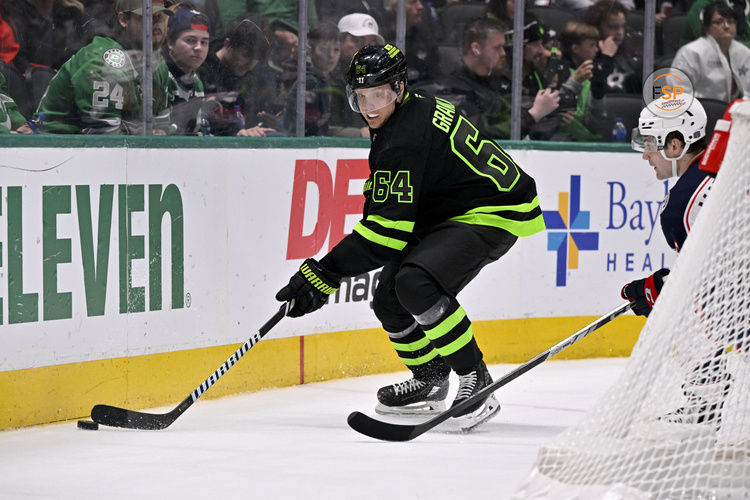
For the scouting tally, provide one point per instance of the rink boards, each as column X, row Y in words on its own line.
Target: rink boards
column 129, row 271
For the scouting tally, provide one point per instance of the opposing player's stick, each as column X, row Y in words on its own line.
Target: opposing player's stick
column 129, row 419
column 401, row 432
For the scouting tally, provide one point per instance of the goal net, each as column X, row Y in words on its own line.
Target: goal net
column 676, row 425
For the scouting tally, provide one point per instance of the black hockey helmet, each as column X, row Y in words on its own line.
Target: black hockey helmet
column 375, row 65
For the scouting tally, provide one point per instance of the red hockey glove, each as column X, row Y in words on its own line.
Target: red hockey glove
column 309, row 287
column 644, row 292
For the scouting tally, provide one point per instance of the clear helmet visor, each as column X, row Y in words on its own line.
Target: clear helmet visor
column 367, row 100
column 644, row 143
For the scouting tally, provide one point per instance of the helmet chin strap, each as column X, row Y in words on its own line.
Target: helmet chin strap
column 674, row 161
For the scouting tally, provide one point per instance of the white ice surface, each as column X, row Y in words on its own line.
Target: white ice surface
column 295, row 443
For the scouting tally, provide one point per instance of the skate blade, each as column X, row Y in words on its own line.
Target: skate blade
column 670, row 431
column 489, row 409
column 424, row 408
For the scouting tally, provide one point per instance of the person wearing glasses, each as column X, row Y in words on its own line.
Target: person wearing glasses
column 718, row 65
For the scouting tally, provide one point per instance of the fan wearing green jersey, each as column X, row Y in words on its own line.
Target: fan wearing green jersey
column 441, row 202
column 11, row 120
column 184, row 52
column 99, row 89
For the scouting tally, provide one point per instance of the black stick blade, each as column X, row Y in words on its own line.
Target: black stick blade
column 384, row 431
column 129, row 419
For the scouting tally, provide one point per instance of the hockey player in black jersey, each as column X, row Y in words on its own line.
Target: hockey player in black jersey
column 441, row 202
column 674, row 148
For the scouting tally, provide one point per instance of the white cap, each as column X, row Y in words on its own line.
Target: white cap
column 360, row 25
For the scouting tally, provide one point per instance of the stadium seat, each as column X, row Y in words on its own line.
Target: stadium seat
column 634, row 22
column 454, row 17
column 18, row 89
column 714, row 110
column 625, row 106
column 553, row 18
column 671, row 32
column 450, row 59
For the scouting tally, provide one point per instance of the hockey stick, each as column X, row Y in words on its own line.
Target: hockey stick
column 129, row 419
column 401, row 432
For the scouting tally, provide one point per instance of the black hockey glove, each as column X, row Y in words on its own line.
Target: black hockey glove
column 644, row 292
column 309, row 287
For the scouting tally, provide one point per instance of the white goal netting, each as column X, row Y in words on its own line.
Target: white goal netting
column 676, row 425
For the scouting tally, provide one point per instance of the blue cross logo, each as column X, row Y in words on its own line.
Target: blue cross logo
column 566, row 230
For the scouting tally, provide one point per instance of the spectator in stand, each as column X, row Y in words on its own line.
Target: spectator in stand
column 98, row 90
column 239, row 93
column 333, row 10
column 48, row 32
column 479, row 90
column 11, row 120
column 551, row 67
column 535, row 61
column 580, row 6
column 422, row 57
column 186, row 49
column 324, row 48
column 694, row 26
column 283, row 10
column 43, row 34
column 8, row 44
column 718, row 66
column 501, row 11
column 615, row 71
column 357, row 30
column 578, row 44
column 280, row 68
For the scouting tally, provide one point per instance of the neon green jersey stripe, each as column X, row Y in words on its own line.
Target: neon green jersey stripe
column 414, row 346
column 371, row 235
column 521, row 207
column 446, row 325
column 400, row 225
column 420, row 360
column 518, row 228
column 457, row 344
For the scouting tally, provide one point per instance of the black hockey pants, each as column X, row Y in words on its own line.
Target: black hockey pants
column 415, row 299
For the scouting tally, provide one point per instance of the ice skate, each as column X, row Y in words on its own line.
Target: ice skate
column 705, row 402
column 696, row 413
column 478, row 413
column 413, row 397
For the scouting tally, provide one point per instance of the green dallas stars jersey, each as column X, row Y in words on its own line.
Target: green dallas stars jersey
column 10, row 117
column 98, row 91
column 428, row 165
column 185, row 95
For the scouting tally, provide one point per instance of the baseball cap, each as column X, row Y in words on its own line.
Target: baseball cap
column 188, row 19
column 532, row 32
column 360, row 25
column 136, row 7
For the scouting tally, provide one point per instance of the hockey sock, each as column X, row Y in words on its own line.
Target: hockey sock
column 416, row 352
column 451, row 333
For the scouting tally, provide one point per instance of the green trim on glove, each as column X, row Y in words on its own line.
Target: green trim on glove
column 311, row 271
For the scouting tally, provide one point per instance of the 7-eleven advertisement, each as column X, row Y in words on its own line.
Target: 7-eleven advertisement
column 116, row 252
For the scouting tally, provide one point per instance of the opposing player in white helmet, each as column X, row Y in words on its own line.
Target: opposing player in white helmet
column 674, row 146
column 678, row 140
